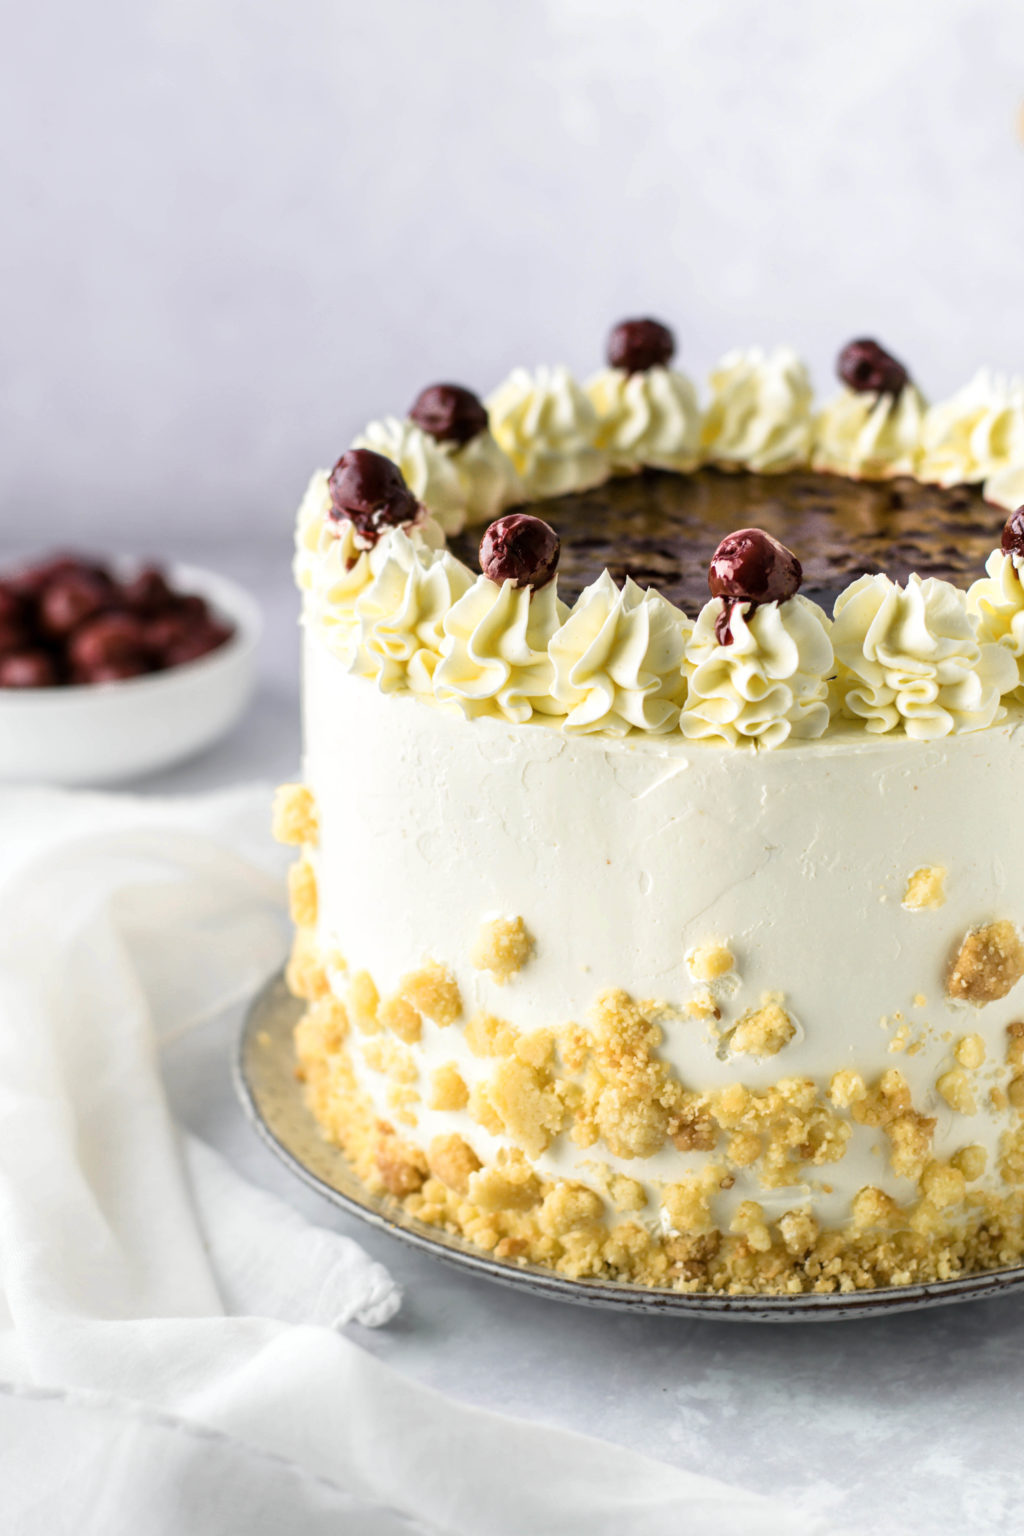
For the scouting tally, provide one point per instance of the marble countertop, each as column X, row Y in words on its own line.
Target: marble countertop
column 909, row 1423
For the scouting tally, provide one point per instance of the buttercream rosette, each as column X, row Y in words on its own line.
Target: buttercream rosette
column 394, row 630
column 978, row 435
column 996, row 602
column 618, row 661
column 770, row 683
column 650, row 419
column 495, row 651
column 760, row 417
column 910, row 658
column 870, row 436
column 546, row 425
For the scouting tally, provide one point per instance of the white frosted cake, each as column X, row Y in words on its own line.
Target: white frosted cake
column 659, row 940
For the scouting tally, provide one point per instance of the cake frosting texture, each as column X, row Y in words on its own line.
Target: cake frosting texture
column 673, row 942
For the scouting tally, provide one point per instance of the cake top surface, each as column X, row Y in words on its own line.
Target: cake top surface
column 750, row 571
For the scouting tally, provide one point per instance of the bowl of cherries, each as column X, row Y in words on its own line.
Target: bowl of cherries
column 111, row 669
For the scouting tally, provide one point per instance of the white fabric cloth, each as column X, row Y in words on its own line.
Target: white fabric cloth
column 170, row 1354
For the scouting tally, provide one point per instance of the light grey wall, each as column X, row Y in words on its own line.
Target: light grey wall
column 235, row 229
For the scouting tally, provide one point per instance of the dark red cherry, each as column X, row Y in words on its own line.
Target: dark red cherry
column 449, row 413
column 14, row 636
column 637, row 345
column 110, row 637
column 32, row 579
column 13, row 607
column 114, row 671
column 368, row 490
column 70, row 598
column 203, row 639
column 867, row 368
column 27, row 669
column 147, row 591
column 520, row 549
column 1013, row 534
column 750, row 566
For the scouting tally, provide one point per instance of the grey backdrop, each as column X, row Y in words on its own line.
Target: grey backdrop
column 234, row 229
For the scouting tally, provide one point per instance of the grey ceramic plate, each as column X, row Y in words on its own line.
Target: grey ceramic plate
column 273, row 1100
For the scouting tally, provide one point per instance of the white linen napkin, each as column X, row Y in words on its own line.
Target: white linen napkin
column 170, row 1360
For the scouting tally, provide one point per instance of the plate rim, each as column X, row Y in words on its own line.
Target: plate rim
column 610, row 1294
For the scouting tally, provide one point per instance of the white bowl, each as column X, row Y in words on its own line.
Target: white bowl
column 100, row 733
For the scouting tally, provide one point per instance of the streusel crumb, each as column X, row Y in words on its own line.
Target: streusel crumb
column 433, row 991
column 510, row 1184
column 528, row 1105
column 971, row 1161
column 1015, row 1045
column 302, row 902
column 294, row 818
column 392, row 1059
column 401, row 1018
column 970, row 1052
column 568, row 1207
column 955, row 1087
column 402, row 1167
column 453, row 1161
column 487, row 1035
column 363, row 1002
column 926, row 888
column 448, row 1090
column 989, row 963
column 502, row 947
column 305, row 973
column 709, row 962
column 763, row 1031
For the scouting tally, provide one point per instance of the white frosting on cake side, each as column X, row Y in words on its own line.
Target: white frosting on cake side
column 626, row 857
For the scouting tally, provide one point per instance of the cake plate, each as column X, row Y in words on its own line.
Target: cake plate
column 273, row 1100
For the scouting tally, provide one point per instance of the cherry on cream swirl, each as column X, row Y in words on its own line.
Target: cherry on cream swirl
column 495, row 651
column 870, row 436
column 648, row 419
column 427, row 467
column 769, row 683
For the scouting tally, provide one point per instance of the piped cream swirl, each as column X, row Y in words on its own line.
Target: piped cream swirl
column 648, row 418
column 495, row 651
column 426, row 466
column 909, row 656
column 996, row 601
column 978, row 434
column 769, row 684
column 870, row 436
column 618, row 661
column 490, row 483
column 397, row 625
column 548, row 428
column 761, row 413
